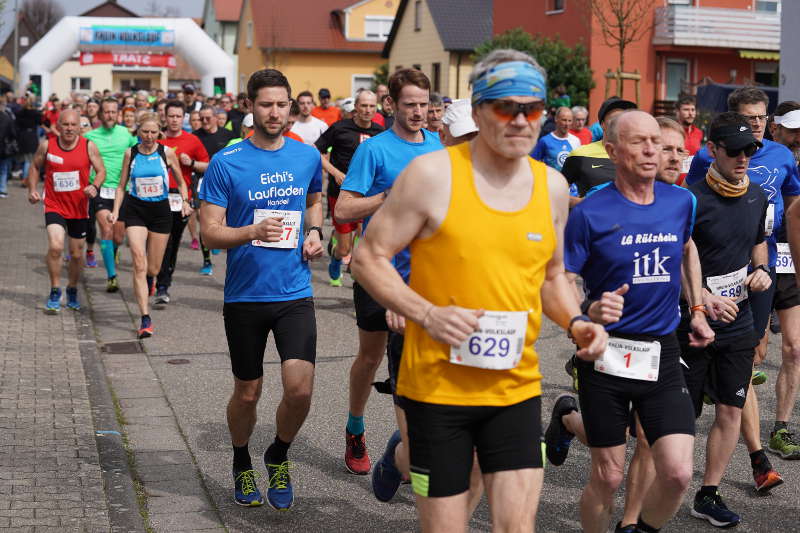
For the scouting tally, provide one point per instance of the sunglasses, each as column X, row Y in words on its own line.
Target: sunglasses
column 748, row 150
column 508, row 109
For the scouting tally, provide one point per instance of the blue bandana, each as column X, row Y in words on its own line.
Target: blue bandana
column 515, row 78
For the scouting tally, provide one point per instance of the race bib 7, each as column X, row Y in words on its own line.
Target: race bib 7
column 291, row 227
column 497, row 344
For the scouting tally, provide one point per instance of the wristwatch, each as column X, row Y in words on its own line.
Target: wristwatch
column 319, row 230
column 765, row 268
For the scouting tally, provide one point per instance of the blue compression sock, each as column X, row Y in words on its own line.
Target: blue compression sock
column 355, row 424
column 335, row 268
column 107, row 250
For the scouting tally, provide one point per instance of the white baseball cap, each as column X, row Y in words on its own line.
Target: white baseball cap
column 247, row 121
column 348, row 105
column 458, row 117
column 790, row 120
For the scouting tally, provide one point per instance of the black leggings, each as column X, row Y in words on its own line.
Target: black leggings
column 171, row 252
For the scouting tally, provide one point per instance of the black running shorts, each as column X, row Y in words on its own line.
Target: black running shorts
column 76, row 228
column 102, row 203
column 247, row 327
column 155, row 216
column 664, row 406
column 394, row 353
column 370, row 315
column 722, row 370
column 761, row 305
column 787, row 294
column 442, row 439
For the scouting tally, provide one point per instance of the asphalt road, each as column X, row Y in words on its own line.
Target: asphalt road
column 327, row 497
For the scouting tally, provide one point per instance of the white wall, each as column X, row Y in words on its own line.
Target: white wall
column 789, row 87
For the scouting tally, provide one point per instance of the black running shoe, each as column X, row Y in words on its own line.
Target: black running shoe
column 557, row 439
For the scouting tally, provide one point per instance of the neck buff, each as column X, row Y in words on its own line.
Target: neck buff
column 724, row 187
column 514, row 78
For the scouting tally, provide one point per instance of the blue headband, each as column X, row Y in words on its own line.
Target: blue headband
column 515, row 78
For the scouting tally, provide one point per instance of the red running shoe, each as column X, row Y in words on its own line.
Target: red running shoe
column 767, row 480
column 356, row 458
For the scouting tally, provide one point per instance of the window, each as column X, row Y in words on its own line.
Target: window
column 766, row 73
column 677, row 77
column 418, row 15
column 249, row 34
column 555, row 5
column 436, row 74
column 768, row 6
column 81, row 84
column 135, row 84
column 680, row 2
column 377, row 28
column 362, row 81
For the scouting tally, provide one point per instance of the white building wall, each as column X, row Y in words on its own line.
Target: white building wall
column 789, row 86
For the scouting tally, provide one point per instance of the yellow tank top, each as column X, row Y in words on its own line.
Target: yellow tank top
column 480, row 258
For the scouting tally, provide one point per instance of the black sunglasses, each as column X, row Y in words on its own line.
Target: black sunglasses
column 748, row 150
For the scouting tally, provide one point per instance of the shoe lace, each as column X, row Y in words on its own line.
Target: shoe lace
column 357, row 446
column 280, row 475
column 248, row 481
column 788, row 438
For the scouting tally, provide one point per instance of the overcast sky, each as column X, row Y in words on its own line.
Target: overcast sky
column 186, row 8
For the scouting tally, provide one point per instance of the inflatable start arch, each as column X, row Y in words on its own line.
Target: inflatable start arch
column 128, row 35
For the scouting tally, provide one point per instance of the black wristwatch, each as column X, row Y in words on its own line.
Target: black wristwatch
column 765, row 268
column 576, row 318
column 319, row 230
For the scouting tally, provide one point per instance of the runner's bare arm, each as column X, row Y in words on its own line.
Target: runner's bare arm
column 33, row 172
column 312, row 245
column 174, row 164
column 352, row 206
column 337, row 174
column 758, row 280
column 217, row 233
column 119, row 195
column 97, row 164
column 558, row 294
column 200, row 166
column 692, row 284
column 405, row 216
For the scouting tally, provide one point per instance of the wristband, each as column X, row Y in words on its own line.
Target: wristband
column 701, row 307
column 765, row 268
column 576, row 318
column 319, row 230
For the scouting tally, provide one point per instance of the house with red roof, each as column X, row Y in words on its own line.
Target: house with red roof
column 221, row 23
column 334, row 44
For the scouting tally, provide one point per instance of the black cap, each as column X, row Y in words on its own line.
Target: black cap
column 324, row 93
column 188, row 88
column 733, row 136
column 615, row 102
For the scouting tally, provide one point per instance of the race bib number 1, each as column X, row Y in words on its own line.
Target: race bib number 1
column 66, row 181
column 730, row 285
column 175, row 202
column 630, row 359
column 784, row 263
column 497, row 344
column 291, row 227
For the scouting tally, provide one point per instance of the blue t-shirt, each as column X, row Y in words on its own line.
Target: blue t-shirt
column 773, row 168
column 553, row 151
column 147, row 171
column 610, row 240
column 376, row 164
column 244, row 178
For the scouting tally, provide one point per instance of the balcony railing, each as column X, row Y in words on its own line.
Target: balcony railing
column 717, row 27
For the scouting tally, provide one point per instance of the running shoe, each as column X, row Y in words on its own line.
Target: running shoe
column 759, row 377
column 245, row 492
column 215, row 251
column 162, row 296
column 766, row 480
column 782, row 443
column 3, row 195
column 146, row 328
column 91, row 260
column 572, row 371
column 356, row 458
column 335, row 282
column 195, row 244
column 280, row 494
column 385, row 476
column 630, row 528
column 713, row 509
column 206, row 270
column 556, row 437
column 72, row 299
column 774, row 322
column 112, row 285
column 331, row 245
column 53, row 304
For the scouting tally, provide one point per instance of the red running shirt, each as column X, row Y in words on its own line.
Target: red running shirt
column 66, row 175
column 189, row 144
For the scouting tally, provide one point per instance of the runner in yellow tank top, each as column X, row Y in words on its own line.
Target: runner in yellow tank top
column 485, row 226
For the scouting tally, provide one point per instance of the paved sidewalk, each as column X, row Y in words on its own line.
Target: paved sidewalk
column 50, row 472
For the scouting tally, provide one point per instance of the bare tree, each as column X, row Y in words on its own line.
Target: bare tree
column 622, row 22
column 154, row 9
column 42, row 14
